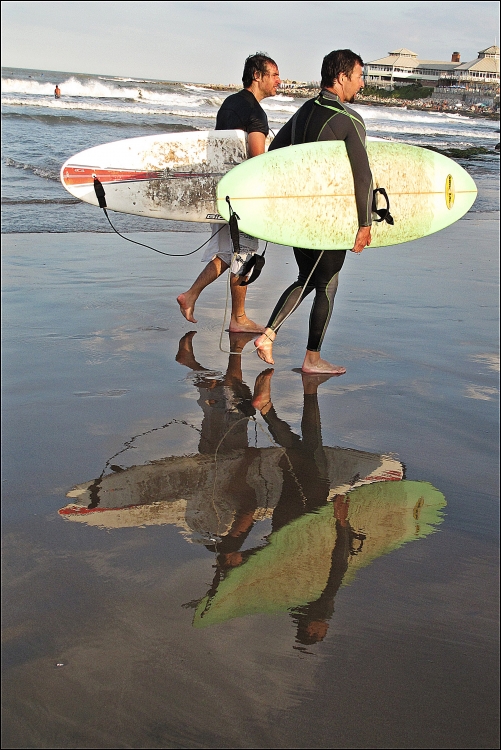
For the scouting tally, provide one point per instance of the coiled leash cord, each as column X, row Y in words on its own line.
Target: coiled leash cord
column 101, row 198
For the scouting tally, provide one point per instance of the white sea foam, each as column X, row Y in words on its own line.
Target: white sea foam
column 71, row 87
column 127, row 80
column 433, row 119
column 58, row 104
column 193, row 87
column 272, row 107
column 408, row 128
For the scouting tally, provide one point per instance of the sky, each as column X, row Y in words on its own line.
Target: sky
column 207, row 42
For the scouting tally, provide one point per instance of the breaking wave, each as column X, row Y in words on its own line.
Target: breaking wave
column 136, row 109
column 46, row 172
column 58, row 119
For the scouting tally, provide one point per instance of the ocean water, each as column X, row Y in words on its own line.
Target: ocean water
column 40, row 132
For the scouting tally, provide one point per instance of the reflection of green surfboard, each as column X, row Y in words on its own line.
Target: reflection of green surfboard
column 293, row 568
column 304, row 196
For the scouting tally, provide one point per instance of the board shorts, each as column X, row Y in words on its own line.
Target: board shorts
column 220, row 244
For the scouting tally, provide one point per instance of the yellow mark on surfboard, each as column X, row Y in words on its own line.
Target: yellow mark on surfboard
column 449, row 191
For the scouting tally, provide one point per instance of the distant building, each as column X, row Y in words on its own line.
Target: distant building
column 472, row 83
column 288, row 84
column 402, row 67
column 485, row 69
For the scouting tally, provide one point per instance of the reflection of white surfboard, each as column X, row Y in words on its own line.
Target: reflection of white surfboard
column 170, row 176
column 180, row 490
column 304, row 195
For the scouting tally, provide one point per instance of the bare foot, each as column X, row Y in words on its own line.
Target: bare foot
column 243, row 324
column 321, row 367
column 187, row 306
column 185, row 354
column 264, row 348
column 262, row 390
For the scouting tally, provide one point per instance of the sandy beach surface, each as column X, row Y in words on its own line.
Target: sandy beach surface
column 104, row 638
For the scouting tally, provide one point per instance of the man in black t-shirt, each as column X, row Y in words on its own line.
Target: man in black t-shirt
column 240, row 111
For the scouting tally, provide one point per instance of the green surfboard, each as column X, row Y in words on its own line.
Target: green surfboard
column 304, row 195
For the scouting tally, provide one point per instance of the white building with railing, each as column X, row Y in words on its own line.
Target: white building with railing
column 402, row 67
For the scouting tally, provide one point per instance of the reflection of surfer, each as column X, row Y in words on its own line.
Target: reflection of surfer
column 57, row 92
column 227, row 404
column 305, row 489
column 224, row 399
column 312, row 619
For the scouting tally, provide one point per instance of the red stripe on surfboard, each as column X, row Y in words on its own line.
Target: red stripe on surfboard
column 85, row 175
column 76, row 510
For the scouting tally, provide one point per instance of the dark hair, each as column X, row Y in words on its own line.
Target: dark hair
column 256, row 64
column 337, row 62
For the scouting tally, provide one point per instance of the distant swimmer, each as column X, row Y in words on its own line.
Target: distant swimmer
column 57, row 92
column 139, row 94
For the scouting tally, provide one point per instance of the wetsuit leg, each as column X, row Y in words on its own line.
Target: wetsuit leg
column 324, row 281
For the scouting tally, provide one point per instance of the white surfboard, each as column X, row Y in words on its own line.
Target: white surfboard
column 170, row 176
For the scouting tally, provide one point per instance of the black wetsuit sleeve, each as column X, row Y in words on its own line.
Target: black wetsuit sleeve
column 351, row 129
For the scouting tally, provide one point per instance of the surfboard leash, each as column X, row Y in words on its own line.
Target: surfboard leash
column 101, row 198
column 234, row 233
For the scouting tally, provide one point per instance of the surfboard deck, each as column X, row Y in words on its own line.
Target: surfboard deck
column 168, row 176
column 304, row 195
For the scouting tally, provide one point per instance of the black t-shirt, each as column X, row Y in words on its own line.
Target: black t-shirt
column 242, row 111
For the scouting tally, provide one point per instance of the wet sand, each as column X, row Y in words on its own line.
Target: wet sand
column 102, row 646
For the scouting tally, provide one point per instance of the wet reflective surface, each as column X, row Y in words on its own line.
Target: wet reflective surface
column 315, row 514
column 199, row 552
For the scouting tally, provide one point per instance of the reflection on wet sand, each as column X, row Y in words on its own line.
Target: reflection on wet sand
column 332, row 510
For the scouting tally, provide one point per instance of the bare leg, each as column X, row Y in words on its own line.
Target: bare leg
column 185, row 354
column 262, row 391
column 237, row 344
column 314, row 365
column 211, row 272
column 239, row 322
column 264, row 345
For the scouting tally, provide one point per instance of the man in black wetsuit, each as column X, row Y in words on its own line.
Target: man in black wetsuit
column 321, row 119
column 240, row 111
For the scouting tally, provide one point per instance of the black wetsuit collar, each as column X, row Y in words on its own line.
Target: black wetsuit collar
column 329, row 95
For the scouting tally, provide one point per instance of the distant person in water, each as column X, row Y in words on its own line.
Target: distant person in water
column 240, row 111
column 57, row 92
column 325, row 118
